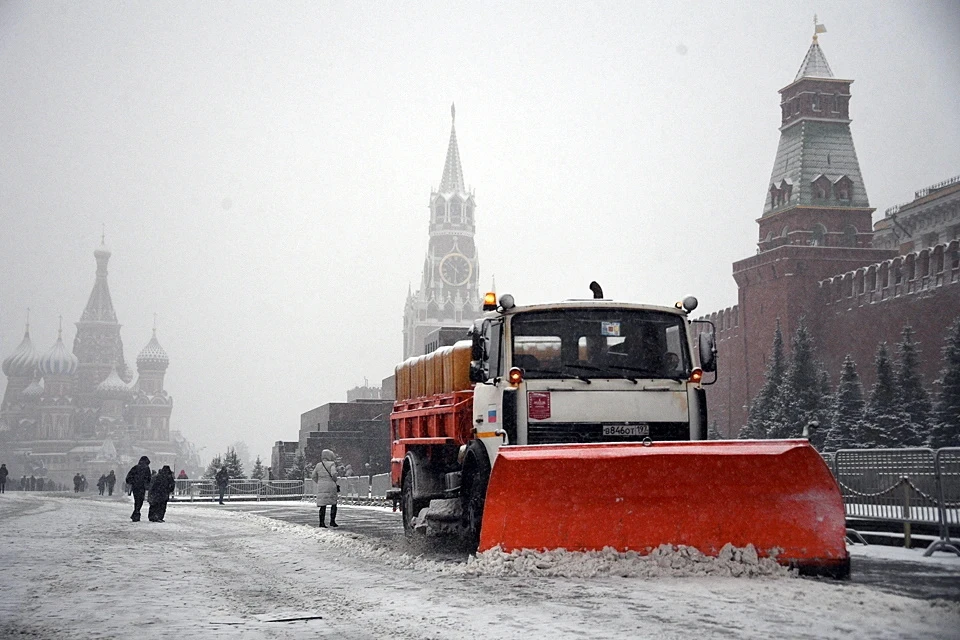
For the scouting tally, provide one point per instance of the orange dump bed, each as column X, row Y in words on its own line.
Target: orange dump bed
column 777, row 495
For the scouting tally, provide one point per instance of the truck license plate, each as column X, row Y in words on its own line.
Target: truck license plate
column 626, row 430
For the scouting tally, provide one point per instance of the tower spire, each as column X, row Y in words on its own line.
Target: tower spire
column 452, row 180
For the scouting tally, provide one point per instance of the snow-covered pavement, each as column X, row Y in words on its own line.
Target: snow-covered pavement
column 78, row 568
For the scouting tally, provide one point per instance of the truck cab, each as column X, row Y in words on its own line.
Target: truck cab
column 588, row 371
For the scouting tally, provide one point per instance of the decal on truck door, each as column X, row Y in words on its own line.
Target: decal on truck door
column 538, row 405
column 492, row 413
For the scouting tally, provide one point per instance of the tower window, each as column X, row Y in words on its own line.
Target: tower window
column 842, row 189
column 850, row 236
column 818, row 235
column 440, row 209
column 456, row 211
column 815, row 102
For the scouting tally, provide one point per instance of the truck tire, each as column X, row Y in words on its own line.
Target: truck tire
column 475, row 477
column 409, row 507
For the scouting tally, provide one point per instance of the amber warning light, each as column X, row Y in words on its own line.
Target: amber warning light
column 515, row 376
column 696, row 375
column 490, row 301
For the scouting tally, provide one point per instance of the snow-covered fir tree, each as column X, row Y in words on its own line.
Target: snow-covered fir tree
column 213, row 467
column 946, row 431
column 847, row 417
column 911, row 396
column 802, row 391
column 883, row 417
column 298, row 470
column 713, row 433
column 258, row 472
column 766, row 410
column 234, row 464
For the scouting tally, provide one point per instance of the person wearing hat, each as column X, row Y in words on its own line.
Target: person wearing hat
column 160, row 490
column 139, row 479
column 325, row 475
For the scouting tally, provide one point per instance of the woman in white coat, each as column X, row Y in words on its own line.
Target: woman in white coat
column 325, row 475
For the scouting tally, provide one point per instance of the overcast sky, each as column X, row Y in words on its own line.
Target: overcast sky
column 263, row 169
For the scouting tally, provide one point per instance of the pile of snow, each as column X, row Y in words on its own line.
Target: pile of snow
column 664, row 561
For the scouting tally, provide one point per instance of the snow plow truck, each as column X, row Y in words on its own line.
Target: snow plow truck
column 583, row 425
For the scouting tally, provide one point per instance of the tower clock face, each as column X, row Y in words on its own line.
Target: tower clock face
column 455, row 269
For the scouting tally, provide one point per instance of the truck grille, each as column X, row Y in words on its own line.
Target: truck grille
column 570, row 432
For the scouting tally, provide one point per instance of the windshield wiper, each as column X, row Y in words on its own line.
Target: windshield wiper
column 647, row 373
column 558, row 374
column 591, row 367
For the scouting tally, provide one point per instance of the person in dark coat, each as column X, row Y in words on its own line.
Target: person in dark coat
column 83, row 482
column 102, row 484
column 3, row 477
column 76, row 483
column 23, row 482
column 223, row 478
column 160, row 490
column 111, row 481
column 32, row 483
column 138, row 478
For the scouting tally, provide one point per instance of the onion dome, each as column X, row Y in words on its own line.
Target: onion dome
column 153, row 357
column 23, row 361
column 33, row 391
column 58, row 361
column 113, row 386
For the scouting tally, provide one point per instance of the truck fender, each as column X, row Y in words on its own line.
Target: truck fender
column 426, row 484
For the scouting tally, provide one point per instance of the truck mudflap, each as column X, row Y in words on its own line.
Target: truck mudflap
column 777, row 495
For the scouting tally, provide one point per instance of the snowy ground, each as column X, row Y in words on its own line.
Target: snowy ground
column 78, row 568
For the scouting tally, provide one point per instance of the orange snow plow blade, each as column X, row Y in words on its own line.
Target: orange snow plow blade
column 778, row 495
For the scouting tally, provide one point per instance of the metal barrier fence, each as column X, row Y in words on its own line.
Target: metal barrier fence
column 351, row 487
column 902, row 485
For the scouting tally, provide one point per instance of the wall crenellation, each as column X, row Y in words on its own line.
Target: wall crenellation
column 908, row 274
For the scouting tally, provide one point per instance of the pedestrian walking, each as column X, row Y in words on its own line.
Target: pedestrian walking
column 223, row 479
column 138, row 478
column 182, row 486
column 3, row 477
column 160, row 490
column 102, row 483
column 111, row 482
column 76, row 483
column 83, row 482
column 23, row 482
column 32, row 483
column 325, row 475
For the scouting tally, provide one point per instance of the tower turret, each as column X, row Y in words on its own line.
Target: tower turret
column 448, row 294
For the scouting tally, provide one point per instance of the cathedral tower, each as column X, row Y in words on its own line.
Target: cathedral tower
column 448, row 294
column 97, row 345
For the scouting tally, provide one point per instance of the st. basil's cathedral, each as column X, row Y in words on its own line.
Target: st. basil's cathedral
column 67, row 412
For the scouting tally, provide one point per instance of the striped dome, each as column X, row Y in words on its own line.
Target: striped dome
column 113, row 386
column 33, row 391
column 153, row 357
column 58, row 361
column 23, row 361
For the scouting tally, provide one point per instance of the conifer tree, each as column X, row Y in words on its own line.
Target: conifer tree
column 911, row 396
column 766, row 410
column 802, row 389
column 233, row 464
column 213, row 467
column 946, row 432
column 298, row 470
column 883, row 415
column 847, row 420
column 258, row 471
column 713, row 433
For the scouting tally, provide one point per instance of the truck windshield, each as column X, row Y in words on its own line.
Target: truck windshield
column 600, row 343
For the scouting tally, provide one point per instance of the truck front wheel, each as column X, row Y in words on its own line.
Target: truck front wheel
column 476, row 475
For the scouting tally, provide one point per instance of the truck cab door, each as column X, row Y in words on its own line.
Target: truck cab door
column 487, row 373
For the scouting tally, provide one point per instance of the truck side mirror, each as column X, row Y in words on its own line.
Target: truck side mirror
column 708, row 351
column 478, row 372
column 476, row 348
